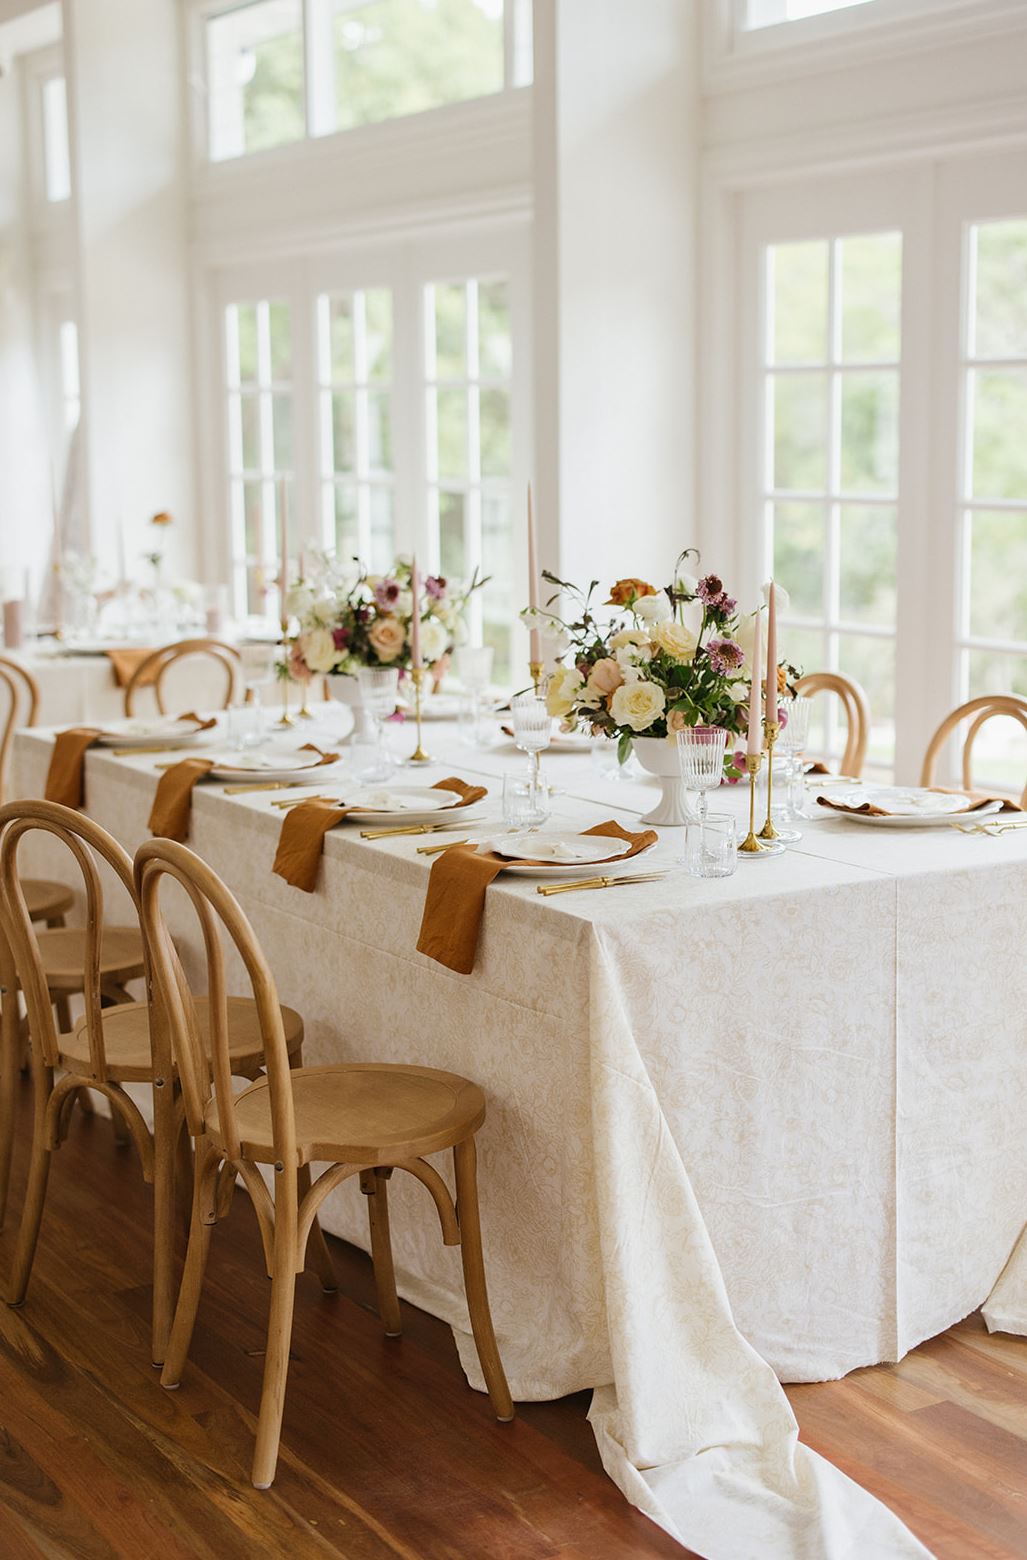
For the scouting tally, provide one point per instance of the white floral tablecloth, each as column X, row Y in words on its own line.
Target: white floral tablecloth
column 767, row 1126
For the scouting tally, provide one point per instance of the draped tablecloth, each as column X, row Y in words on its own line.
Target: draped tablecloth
column 766, row 1124
column 80, row 690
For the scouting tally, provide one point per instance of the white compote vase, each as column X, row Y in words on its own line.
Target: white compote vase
column 676, row 807
column 344, row 688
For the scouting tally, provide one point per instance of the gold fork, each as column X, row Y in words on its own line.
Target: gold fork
column 297, row 801
column 599, row 882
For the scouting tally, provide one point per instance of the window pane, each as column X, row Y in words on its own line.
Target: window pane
column 255, row 68
column 495, row 433
column 281, row 414
column 495, row 349
column 867, row 563
column 800, row 431
column 246, row 324
column 766, row 13
column 1001, row 304
column 382, row 544
column 797, row 285
column 870, row 433
column 378, row 309
column 806, row 648
column 452, row 549
column 347, row 530
column 250, row 413
column 452, row 418
column 450, row 331
column 872, row 663
column 379, row 431
column 252, row 512
column 340, row 325
column 799, row 545
column 281, row 341
column 1000, row 751
column 999, row 433
column 870, row 278
column 998, row 574
column 397, row 57
column 498, row 562
column 56, row 162
column 343, row 430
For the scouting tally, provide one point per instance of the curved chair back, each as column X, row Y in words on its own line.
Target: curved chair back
column 20, row 693
column 857, row 714
column 977, row 711
column 86, row 841
column 216, row 909
column 153, row 669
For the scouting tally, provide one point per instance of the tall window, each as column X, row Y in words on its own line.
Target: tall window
column 71, row 397
column 468, row 368
column 369, row 60
column 831, row 461
column 993, row 501
column 355, row 391
column 258, row 342
column 56, row 156
column 768, row 13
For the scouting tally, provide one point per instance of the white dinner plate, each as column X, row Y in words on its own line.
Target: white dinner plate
column 403, row 804
column 142, row 733
column 265, row 766
column 909, row 807
column 558, row 846
column 608, row 850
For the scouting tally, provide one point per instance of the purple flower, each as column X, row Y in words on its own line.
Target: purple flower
column 386, row 593
column 724, row 655
column 435, row 587
column 340, row 638
column 782, row 716
column 709, row 587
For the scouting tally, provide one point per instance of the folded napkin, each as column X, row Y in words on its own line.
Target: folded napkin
column 455, row 902
column 124, row 664
column 169, row 815
column 978, row 799
column 301, row 840
column 65, row 778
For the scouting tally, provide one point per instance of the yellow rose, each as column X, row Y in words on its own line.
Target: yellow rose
column 638, row 705
column 628, row 636
column 675, row 639
column 562, row 693
column 387, row 638
column 317, row 648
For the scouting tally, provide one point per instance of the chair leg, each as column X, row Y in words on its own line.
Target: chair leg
column 54, row 922
column 465, row 1163
column 62, row 1007
column 375, row 1187
column 184, row 1170
column 318, row 1257
column 9, row 1059
column 279, row 1331
column 35, row 1192
column 177, row 1351
column 163, row 1220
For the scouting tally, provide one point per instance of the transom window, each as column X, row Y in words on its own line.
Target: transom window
column 366, row 61
column 56, row 155
column 831, row 462
column 992, row 633
column 258, row 359
column 355, row 389
column 769, row 13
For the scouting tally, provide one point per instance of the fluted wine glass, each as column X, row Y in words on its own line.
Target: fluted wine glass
column 791, row 746
column 533, row 728
column 379, row 687
column 701, row 756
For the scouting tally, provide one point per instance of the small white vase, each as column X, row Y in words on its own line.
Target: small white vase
column 344, row 688
column 676, row 807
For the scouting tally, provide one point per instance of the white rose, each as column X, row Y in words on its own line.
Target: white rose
column 562, row 693
column 318, row 649
column 675, row 639
column 404, row 605
column 638, row 705
column 782, row 600
column 434, row 639
column 299, row 601
column 653, row 609
column 628, row 636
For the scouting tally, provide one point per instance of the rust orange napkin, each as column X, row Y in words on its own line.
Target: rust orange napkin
column 169, row 815
column 455, row 902
column 301, row 840
column 979, row 799
column 65, row 778
column 124, row 663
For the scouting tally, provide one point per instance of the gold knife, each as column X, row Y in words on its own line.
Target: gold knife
column 297, row 801
column 404, row 828
column 600, row 882
column 265, row 785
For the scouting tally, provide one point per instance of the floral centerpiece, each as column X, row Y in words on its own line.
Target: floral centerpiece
column 346, row 622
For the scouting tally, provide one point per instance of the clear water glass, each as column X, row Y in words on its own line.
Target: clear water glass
column 701, row 756
column 474, row 669
column 711, row 849
column 789, row 753
column 533, row 729
column 379, row 688
column 526, row 802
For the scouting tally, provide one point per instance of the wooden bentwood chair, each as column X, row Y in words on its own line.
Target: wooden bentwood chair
column 366, row 1119
column 107, row 1048
column 47, row 901
column 977, row 712
column 150, row 673
column 856, row 706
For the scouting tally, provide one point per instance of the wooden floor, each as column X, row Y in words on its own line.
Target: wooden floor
column 386, row 1451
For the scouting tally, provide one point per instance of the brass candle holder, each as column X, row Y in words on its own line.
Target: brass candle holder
column 772, row 729
column 535, row 669
column 286, row 719
column 751, row 846
column 418, row 756
column 305, row 712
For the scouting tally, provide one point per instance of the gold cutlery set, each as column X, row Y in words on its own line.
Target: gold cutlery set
column 993, row 827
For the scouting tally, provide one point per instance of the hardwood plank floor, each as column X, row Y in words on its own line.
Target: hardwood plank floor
column 387, row 1454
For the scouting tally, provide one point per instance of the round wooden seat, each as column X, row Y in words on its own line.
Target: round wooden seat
column 63, row 954
column 360, row 1113
column 126, row 1039
column 46, row 900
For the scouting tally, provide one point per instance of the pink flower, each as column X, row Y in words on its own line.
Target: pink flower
column 676, row 720
column 606, row 676
column 724, row 655
column 435, row 587
column 386, row 593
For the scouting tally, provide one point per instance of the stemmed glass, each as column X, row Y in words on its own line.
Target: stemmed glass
column 474, row 669
column 791, row 747
column 701, row 756
column 257, row 662
column 533, row 728
column 379, row 686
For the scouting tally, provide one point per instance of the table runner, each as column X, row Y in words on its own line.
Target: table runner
column 782, row 1094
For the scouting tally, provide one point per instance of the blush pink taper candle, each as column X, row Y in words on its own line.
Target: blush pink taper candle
column 534, row 636
column 415, row 621
column 283, row 548
column 771, row 709
column 755, row 745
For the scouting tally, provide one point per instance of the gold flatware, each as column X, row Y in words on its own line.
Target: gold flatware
column 132, row 752
column 434, row 850
column 297, row 801
column 992, row 827
column 404, row 828
column 266, row 785
column 599, row 882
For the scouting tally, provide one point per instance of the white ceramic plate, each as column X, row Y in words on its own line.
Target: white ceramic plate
column 386, row 804
column 909, row 807
column 265, row 766
column 143, row 733
column 562, row 848
column 611, row 848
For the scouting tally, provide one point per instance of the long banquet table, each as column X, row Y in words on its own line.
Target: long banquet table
column 772, row 1118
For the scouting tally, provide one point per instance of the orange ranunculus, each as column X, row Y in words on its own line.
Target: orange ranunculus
column 626, row 591
column 163, row 518
column 782, row 680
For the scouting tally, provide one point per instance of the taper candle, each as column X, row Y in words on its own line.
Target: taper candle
column 283, row 548
column 755, row 744
column 771, row 705
column 534, row 636
column 415, row 621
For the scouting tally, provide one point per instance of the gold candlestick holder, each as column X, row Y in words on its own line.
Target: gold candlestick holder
column 535, row 669
column 418, row 756
column 772, row 729
column 305, row 712
column 751, row 846
column 286, row 719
